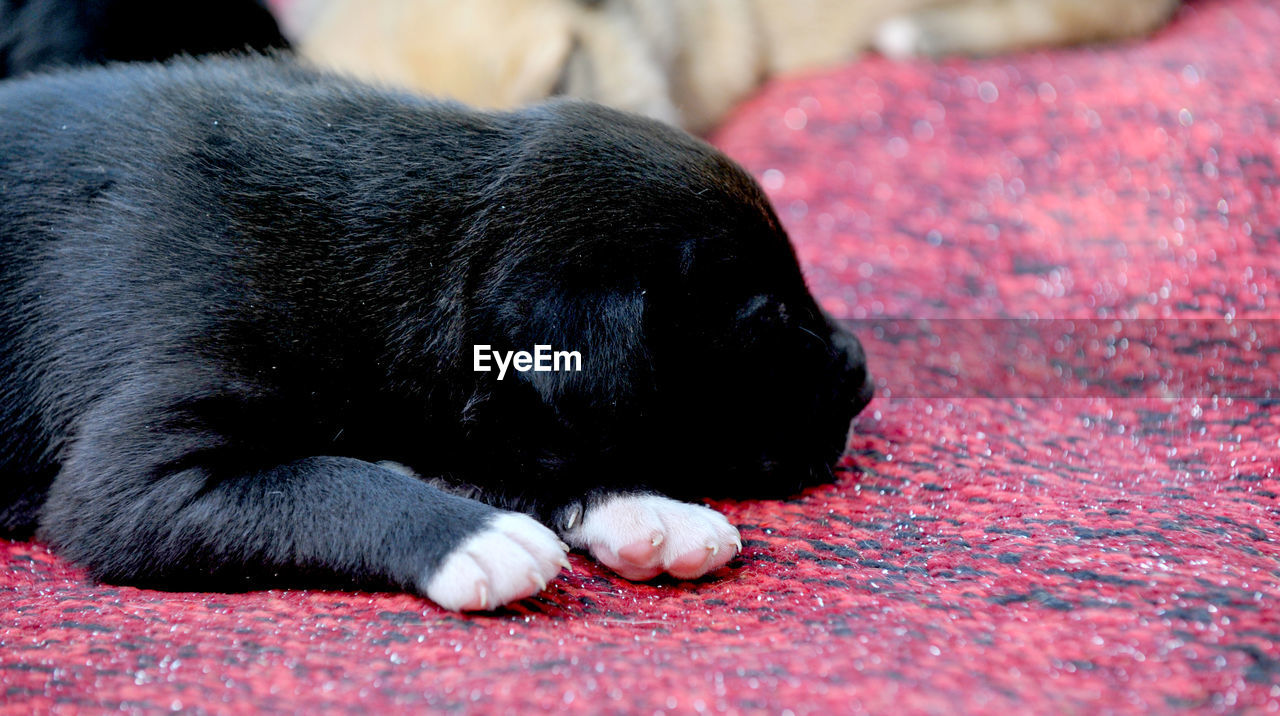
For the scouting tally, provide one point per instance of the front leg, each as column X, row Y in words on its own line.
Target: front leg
column 156, row 505
column 641, row 536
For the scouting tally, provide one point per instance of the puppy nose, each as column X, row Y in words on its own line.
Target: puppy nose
column 866, row 392
column 855, row 367
column 855, row 360
column 846, row 343
column 857, row 380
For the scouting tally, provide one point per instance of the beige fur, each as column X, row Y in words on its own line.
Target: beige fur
column 683, row 61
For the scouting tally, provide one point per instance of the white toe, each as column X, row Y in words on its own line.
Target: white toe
column 642, row 536
column 511, row 558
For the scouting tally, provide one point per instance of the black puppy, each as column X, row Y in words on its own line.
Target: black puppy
column 39, row 34
column 229, row 289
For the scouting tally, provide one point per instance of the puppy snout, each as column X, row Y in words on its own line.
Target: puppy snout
column 866, row 392
column 856, row 377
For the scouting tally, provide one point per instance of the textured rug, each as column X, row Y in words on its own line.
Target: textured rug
column 990, row 546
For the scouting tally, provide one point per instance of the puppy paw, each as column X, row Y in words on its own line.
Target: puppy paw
column 511, row 558
column 642, row 536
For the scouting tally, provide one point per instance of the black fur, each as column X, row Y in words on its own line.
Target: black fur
column 229, row 287
column 39, row 34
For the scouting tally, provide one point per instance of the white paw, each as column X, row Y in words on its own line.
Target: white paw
column 899, row 38
column 642, row 536
column 513, row 557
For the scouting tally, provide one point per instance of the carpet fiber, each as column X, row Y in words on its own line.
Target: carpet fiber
column 1058, row 553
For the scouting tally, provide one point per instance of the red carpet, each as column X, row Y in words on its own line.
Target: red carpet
column 985, row 554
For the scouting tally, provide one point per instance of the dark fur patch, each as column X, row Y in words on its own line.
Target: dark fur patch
column 42, row 34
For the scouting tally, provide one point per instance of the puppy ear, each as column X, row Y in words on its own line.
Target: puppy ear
column 607, row 330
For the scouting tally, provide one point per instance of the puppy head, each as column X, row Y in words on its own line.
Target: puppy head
column 759, row 384
column 760, row 389
column 708, row 368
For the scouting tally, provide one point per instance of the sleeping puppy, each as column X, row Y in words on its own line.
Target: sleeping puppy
column 682, row 61
column 39, row 34
column 252, row 318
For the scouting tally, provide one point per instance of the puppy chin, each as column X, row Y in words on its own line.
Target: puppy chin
column 768, row 480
